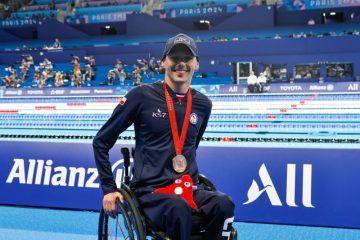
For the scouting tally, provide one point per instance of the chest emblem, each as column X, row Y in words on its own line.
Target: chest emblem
column 193, row 118
column 158, row 114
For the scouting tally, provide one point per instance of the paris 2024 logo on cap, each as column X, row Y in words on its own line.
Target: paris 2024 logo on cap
column 182, row 40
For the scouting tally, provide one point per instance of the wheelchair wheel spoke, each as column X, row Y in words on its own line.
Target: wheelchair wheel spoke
column 126, row 225
column 121, row 229
column 118, row 228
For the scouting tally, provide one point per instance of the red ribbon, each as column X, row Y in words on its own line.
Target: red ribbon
column 178, row 141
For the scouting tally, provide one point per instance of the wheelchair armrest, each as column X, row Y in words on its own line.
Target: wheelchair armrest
column 204, row 180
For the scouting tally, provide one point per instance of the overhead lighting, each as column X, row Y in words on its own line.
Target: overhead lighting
column 205, row 21
column 107, row 27
column 333, row 13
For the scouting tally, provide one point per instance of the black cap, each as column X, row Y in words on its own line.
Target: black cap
column 181, row 38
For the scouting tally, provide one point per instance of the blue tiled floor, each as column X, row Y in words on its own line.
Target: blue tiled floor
column 42, row 224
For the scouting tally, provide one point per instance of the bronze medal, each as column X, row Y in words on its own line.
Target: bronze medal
column 179, row 163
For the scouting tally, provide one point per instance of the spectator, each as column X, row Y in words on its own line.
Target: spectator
column 311, row 21
column 110, row 77
column 137, row 75
column 59, row 79
column 122, row 76
column 90, row 68
column 48, row 68
column 57, row 43
column 267, row 72
column 24, row 68
column 261, row 82
column 119, row 71
column 252, row 82
column 152, row 66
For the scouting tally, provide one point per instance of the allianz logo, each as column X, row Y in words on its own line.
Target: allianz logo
column 269, row 188
column 41, row 172
column 328, row 87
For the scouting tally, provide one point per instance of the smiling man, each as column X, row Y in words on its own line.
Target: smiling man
column 169, row 120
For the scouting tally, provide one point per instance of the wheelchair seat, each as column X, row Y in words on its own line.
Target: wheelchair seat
column 196, row 234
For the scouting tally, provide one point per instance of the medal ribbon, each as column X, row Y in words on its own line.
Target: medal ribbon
column 178, row 142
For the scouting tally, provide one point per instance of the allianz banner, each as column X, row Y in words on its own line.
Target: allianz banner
column 305, row 186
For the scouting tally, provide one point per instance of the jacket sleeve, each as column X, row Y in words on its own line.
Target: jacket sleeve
column 204, row 124
column 123, row 116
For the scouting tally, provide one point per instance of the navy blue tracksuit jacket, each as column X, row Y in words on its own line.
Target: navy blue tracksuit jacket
column 145, row 107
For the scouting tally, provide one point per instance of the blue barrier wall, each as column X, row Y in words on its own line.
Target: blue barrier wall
column 5, row 36
column 53, row 29
column 143, row 24
column 95, row 28
column 24, row 33
column 187, row 23
column 253, row 17
column 303, row 186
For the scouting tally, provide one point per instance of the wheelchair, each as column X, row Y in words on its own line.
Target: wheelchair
column 131, row 224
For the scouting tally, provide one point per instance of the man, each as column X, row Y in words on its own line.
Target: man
column 262, row 82
column 252, row 82
column 57, row 43
column 169, row 120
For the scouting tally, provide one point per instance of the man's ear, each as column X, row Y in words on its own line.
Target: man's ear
column 197, row 66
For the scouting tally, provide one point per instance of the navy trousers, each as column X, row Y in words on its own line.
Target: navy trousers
column 173, row 214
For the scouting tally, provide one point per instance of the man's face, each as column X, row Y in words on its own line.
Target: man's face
column 180, row 64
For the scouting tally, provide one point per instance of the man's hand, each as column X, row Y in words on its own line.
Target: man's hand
column 109, row 203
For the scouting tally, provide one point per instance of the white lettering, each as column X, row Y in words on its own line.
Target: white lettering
column 39, row 92
column 59, row 177
column 353, row 87
column 39, row 171
column 30, row 175
column 226, row 230
column 290, row 185
column 90, row 183
column 291, row 88
column 103, row 91
column 81, row 176
column 79, row 91
column 17, row 171
column 317, row 87
column 233, row 89
column 45, row 173
column 255, row 192
column 307, row 187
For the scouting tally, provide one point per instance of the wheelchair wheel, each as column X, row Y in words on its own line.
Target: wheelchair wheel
column 115, row 228
column 133, row 212
column 127, row 224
